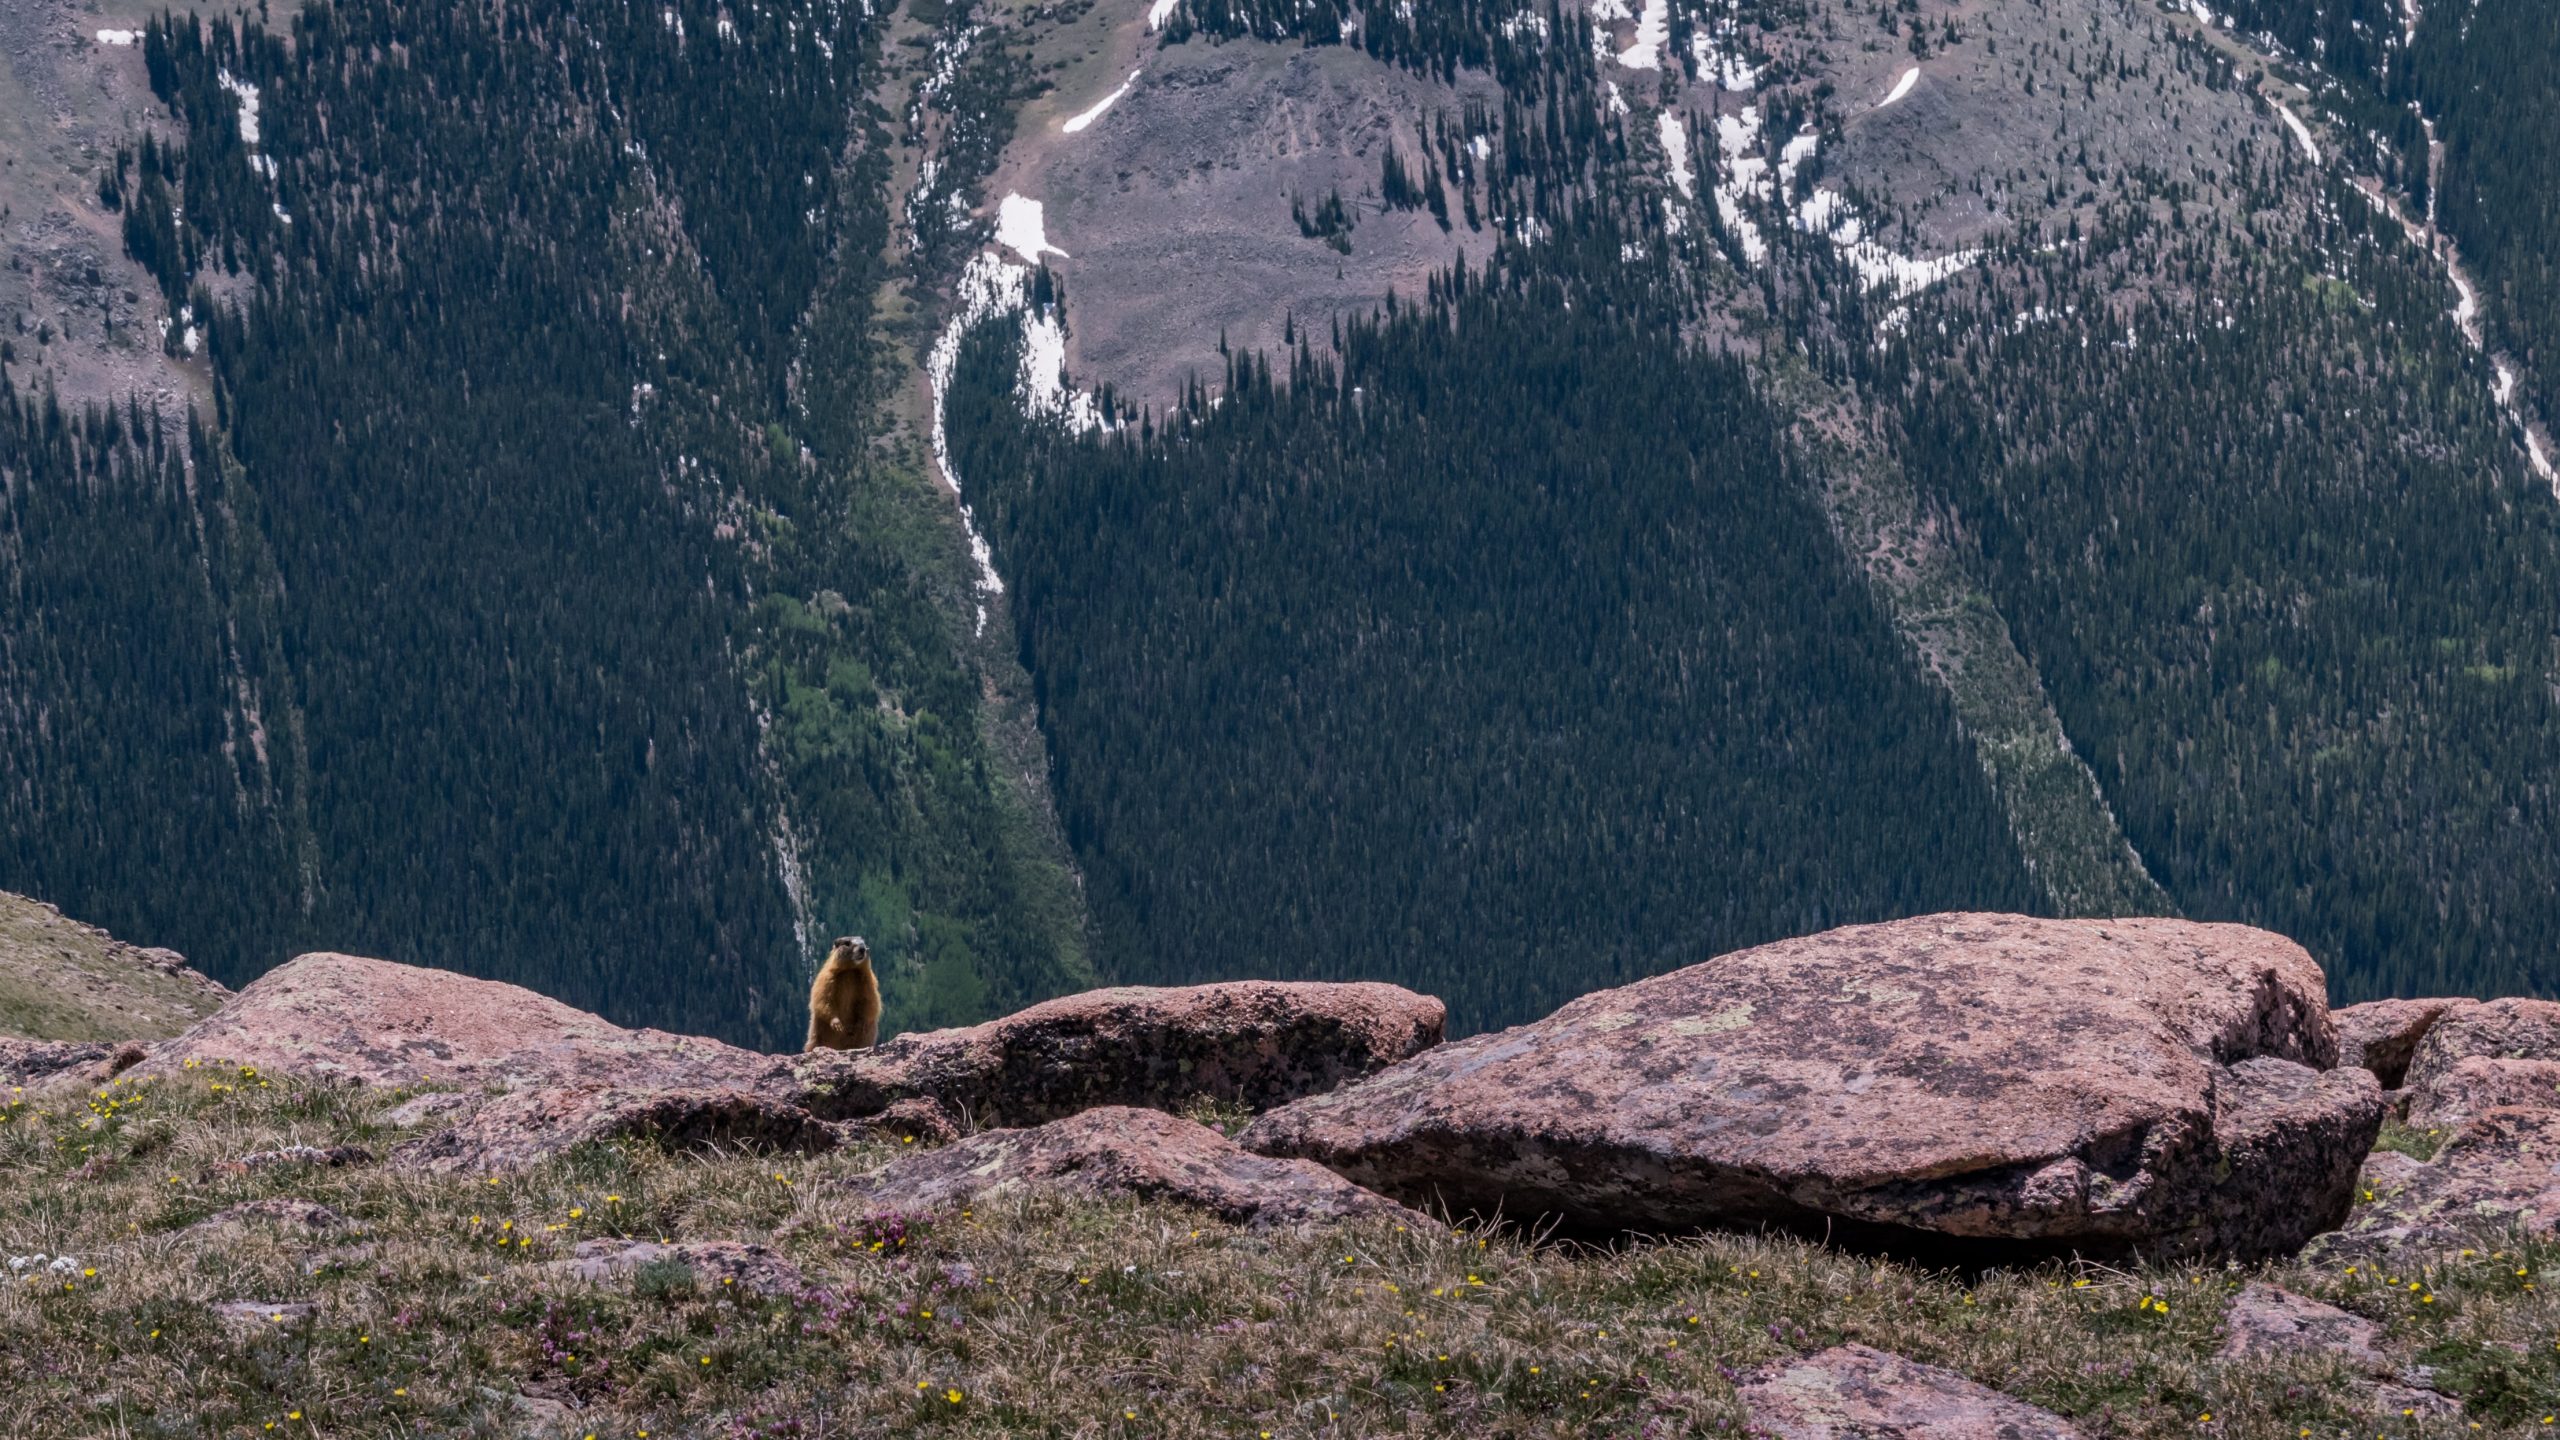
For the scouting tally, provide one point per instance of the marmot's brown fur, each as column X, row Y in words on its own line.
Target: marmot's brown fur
column 844, row 1003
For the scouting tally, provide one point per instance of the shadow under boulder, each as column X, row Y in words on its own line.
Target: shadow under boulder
column 526, row 1126
column 1118, row 1150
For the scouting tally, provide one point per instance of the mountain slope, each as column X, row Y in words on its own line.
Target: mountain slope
column 547, row 610
column 62, row 980
column 2022, row 275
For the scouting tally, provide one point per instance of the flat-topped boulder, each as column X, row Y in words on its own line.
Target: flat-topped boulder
column 346, row 1017
column 1255, row 1043
column 1123, row 1151
column 1992, row 1084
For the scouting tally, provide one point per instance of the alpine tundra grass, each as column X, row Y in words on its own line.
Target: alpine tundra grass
column 436, row 1308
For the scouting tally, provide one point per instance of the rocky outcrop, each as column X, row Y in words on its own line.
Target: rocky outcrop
column 2475, row 1084
column 2489, row 1029
column 32, row 1062
column 428, row 1108
column 908, row 1122
column 521, row 1128
column 350, row 1018
column 2381, row 1035
column 1989, row 1084
column 1120, row 1150
column 2266, row 1322
column 2500, row 1171
column 2483, row 1079
column 1254, row 1043
column 1850, row 1392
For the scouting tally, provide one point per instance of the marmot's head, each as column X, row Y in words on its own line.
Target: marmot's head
column 851, row 951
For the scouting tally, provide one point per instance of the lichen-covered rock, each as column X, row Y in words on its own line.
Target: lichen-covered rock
column 708, row 1265
column 1851, row 1392
column 1121, row 1150
column 2477, row 1083
column 2499, row 1172
column 2489, row 1029
column 519, row 1129
column 2413, row 1401
column 32, row 1062
column 2267, row 1321
column 349, row 1018
column 2381, row 1035
column 1255, row 1043
column 1985, row 1083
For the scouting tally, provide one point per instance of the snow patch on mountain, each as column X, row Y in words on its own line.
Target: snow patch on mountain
column 1078, row 122
column 248, row 95
column 1722, row 67
column 1653, row 26
column 1675, row 150
column 1746, row 178
column 1021, row 229
column 991, row 288
column 1828, row 213
column 2300, row 131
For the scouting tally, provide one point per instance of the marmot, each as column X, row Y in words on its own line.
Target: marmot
column 844, row 1003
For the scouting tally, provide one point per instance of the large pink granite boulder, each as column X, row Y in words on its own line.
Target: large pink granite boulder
column 1988, row 1083
column 1254, row 1043
column 349, row 1018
